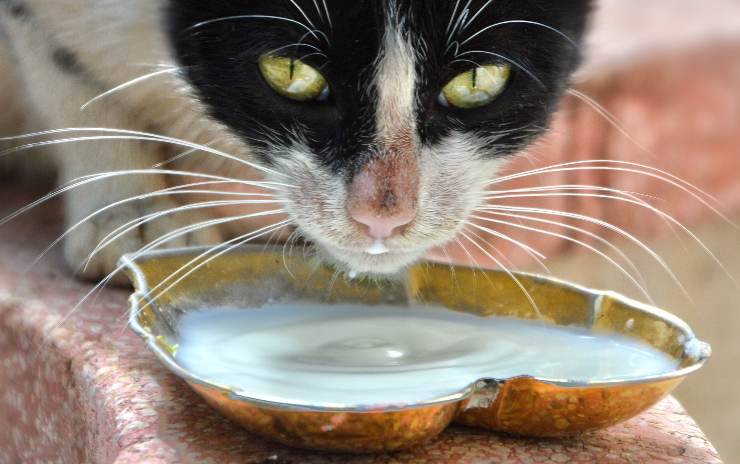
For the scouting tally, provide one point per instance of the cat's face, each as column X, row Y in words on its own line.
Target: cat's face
column 388, row 116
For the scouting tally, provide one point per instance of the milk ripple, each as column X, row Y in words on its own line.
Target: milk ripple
column 375, row 355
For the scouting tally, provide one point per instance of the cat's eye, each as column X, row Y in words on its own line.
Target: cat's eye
column 475, row 88
column 293, row 79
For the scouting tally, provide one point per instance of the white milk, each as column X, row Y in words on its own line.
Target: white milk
column 364, row 356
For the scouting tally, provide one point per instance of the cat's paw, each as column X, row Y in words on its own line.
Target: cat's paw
column 92, row 263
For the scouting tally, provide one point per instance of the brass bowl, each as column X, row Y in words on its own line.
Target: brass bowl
column 252, row 276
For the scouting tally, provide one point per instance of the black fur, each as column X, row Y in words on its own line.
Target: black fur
column 16, row 8
column 220, row 61
column 66, row 61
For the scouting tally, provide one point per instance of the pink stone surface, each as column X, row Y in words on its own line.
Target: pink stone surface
column 82, row 388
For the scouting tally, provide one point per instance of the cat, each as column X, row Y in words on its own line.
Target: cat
column 369, row 128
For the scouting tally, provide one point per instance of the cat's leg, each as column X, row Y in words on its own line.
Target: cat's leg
column 84, row 158
column 58, row 85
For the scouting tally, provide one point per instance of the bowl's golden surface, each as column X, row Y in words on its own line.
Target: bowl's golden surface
column 255, row 275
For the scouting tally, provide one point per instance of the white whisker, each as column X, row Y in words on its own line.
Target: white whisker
column 608, row 116
column 607, row 225
column 129, row 135
column 160, row 193
column 460, row 20
column 230, row 245
column 663, row 176
column 297, row 45
column 577, row 242
column 288, row 243
column 520, row 21
column 510, row 274
column 179, row 232
column 303, row 58
column 507, row 59
column 328, row 15
column 526, row 192
column 240, row 17
column 125, row 85
column 98, row 177
column 535, row 255
column 660, row 213
column 475, row 16
column 579, row 230
column 452, row 44
column 133, row 224
column 465, row 60
column 452, row 16
column 453, row 275
column 118, row 269
column 597, row 196
column 531, row 251
column 303, row 13
column 570, row 187
column 180, row 156
column 318, row 10
column 333, row 281
column 475, row 265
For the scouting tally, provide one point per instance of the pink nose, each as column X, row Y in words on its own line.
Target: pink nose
column 382, row 227
column 383, row 195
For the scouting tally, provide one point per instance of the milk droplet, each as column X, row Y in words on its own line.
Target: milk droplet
column 377, row 248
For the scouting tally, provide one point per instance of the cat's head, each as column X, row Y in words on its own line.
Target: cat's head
column 389, row 117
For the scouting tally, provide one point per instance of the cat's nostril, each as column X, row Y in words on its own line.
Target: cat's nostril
column 382, row 227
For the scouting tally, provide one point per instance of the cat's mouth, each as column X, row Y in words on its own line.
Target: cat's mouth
column 378, row 258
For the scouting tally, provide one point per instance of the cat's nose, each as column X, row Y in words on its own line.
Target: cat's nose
column 383, row 227
column 383, row 196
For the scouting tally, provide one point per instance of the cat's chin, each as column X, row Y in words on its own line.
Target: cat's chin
column 363, row 263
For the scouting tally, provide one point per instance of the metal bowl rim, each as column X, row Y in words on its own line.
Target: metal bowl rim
column 128, row 263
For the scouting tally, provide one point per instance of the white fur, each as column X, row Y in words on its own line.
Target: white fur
column 396, row 84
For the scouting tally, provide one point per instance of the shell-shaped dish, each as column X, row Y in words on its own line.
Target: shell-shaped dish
column 255, row 275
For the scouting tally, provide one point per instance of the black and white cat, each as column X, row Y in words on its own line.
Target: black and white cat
column 376, row 124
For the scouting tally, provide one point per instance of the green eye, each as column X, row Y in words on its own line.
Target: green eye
column 475, row 88
column 293, row 79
